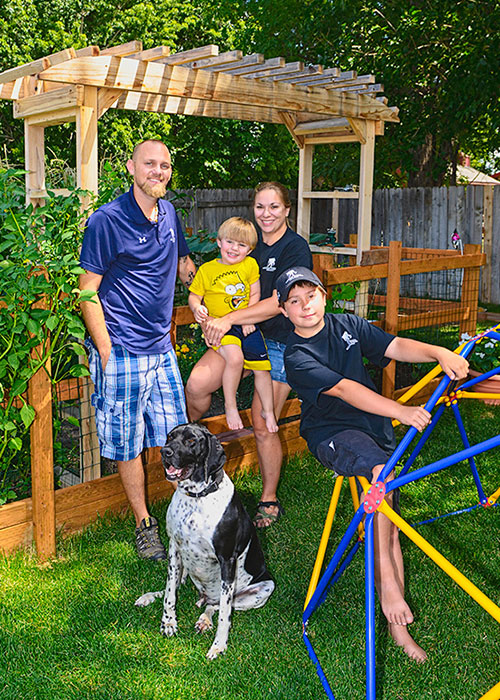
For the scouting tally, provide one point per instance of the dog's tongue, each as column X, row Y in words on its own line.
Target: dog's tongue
column 173, row 472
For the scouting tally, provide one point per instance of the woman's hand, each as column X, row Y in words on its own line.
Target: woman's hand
column 215, row 328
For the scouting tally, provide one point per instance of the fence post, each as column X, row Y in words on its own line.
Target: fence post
column 42, row 461
column 470, row 293
column 487, row 241
column 391, row 312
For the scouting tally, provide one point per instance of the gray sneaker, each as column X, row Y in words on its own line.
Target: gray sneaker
column 147, row 540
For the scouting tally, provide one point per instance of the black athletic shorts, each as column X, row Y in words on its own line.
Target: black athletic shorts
column 353, row 453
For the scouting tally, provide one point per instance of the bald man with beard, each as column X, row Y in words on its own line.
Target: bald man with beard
column 133, row 249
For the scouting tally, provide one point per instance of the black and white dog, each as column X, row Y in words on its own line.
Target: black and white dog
column 212, row 538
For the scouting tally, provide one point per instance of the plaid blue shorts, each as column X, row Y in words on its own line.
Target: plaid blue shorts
column 138, row 399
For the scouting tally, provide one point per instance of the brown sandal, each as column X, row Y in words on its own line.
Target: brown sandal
column 262, row 515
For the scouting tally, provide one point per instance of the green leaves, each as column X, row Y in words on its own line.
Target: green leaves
column 39, row 314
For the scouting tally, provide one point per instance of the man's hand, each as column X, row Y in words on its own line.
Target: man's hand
column 104, row 354
column 416, row 416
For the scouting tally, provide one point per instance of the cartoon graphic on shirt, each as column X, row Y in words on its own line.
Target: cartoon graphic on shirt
column 236, row 294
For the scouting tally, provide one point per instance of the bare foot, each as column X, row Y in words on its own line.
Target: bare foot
column 403, row 639
column 271, row 425
column 394, row 606
column 233, row 419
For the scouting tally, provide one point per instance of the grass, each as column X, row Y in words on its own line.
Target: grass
column 70, row 631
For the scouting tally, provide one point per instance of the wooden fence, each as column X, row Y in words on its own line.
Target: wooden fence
column 37, row 519
column 423, row 217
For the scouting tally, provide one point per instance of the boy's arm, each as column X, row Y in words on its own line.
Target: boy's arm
column 365, row 399
column 254, row 298
column 254, row 295
column 407, row 350
column 200, row 312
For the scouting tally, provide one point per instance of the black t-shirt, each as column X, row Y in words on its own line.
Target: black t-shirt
column 289, row 251
column 314, row 365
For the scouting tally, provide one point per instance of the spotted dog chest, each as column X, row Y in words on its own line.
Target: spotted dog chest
column 192, row 523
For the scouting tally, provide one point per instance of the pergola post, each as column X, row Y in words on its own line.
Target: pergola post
column 40, row 387
column 366, row 189
column 87, row 179
column 304, row 185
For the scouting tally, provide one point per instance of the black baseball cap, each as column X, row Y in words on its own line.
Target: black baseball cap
column 293, row 275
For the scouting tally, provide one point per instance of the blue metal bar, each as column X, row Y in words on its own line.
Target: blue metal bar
column 343, row 566
column 472, row 462
column 423, row 439
column 319, row 670
column 476, row 380
column 370, row 608
column 445, row 515
column 411, row 432
column 327, row 575
column 443, row 463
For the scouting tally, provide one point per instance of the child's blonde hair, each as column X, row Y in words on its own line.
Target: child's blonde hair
column 238, row 229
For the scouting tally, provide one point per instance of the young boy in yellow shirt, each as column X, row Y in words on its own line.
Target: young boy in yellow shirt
column 223, row 285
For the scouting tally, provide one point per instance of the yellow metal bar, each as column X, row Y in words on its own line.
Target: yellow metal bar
column 478, row 395
column 320, row 556
column 427, row 378
column 355, row 502
column 494, row 496
column 442, row 562
column 493, row 694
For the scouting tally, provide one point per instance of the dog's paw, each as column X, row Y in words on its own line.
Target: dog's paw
column 168, row 628
column 148, row 598
column 215, row 651
column 203, row 623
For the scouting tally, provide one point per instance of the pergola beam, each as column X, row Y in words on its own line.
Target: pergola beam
column 176, row 81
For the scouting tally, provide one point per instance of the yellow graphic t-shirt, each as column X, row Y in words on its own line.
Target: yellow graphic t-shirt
column 225, row 288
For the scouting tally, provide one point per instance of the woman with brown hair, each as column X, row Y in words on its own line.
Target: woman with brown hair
column 278, row 249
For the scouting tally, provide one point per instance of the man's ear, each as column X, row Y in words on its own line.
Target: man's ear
column 130, row 166
column 282, row 309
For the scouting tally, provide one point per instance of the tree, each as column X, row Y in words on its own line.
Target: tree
column 438, row 60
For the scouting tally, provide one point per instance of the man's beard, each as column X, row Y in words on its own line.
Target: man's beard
column 157, row 191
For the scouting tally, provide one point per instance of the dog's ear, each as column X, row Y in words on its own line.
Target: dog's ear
column 215, row 455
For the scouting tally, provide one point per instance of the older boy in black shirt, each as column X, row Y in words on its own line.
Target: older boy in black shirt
column 346, row 423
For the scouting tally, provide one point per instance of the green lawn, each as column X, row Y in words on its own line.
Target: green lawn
column 71, row 631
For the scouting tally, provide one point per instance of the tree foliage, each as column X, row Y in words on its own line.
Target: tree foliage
column 438, row 60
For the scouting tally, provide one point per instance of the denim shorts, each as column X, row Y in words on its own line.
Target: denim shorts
column 353, row 453
column 276, row 352
column 138, row 399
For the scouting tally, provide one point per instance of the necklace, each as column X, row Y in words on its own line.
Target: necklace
column 154, row 214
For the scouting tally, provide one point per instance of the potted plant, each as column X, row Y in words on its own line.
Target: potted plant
column 485, row 357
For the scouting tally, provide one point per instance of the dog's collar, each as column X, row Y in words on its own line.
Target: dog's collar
column 209, row 489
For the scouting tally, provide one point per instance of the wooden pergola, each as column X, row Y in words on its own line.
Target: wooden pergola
column 317, row 105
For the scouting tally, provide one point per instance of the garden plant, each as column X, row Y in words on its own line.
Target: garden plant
column 39, row 312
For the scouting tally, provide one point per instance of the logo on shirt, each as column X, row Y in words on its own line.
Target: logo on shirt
column 347, row 338
column 270, row 265
column 172, row 235
column 142, row 239
column 331, row 445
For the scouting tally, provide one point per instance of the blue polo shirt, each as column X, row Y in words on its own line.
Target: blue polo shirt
column 138, row 261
